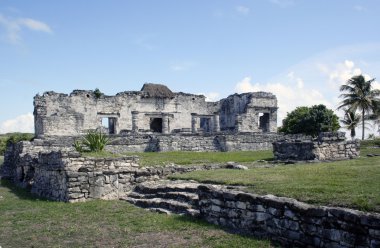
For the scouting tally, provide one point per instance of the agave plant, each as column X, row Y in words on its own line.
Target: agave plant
column 78, row 145
column 95, row 141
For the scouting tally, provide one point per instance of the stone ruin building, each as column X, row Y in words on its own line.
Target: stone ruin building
column 154, row 109
column 156, row 119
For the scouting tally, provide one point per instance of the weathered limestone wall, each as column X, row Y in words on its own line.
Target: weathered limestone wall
column 291, row 223
column 21, row 159
column 328, row 146
column 193, row 142
column 62, row 114
column 133, row 111
column 69, row 177
column 247, row 141
column 66, row 176
column 241, row 112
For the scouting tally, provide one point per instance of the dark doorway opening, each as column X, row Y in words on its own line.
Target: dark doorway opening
column 156, row 125
column 109, row 124
column 205, row 124
column 264, row 122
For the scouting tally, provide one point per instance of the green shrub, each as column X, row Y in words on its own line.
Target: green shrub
column 310, row 121
column 93, row 141
column 3, row 145
column 98, row 93
column 17, row 137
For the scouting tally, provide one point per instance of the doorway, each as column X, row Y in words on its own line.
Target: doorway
column 156, row 125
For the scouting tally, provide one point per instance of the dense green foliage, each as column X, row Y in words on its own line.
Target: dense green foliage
column 26, row 221
column 310, row 121
column 359, row 95
column 13, row 138
column 93, row 141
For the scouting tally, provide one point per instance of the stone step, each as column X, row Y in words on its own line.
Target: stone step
column 167, row 186
column 189, row 198
column 170, row 205
column 190, row 212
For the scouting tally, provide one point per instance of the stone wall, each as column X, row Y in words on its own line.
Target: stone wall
column 247, row 141
column 21, row 159
column 328, row 146
column 135, row 111
column 193, row 142
column 66, row 176
column 241, row 112
column 287, row 221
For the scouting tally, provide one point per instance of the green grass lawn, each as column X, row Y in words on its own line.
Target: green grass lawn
column 26, row 221
column 186, row 158
column 351, row 183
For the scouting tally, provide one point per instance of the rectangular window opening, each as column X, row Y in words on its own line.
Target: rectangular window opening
column 263, row 122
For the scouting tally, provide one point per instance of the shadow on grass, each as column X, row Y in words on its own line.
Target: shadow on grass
column 21, row 193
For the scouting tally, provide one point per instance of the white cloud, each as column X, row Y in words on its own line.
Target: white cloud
column 299, row 80
column 212, row 96
column 289, row 96
column 242, row 10
column 22, row 123
column 340, row 73
column 14, row 26
column 35, row 25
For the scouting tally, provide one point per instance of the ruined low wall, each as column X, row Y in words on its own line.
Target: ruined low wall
column 287, row 221
column 21, row 159
column 328, row 146
column 66, row 176
column 193, row 142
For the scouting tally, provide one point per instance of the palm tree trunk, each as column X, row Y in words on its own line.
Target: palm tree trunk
column 363, row 112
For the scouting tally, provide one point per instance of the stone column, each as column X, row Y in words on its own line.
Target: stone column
column 273, row 120
column 216, row 122
column 135, row 119
column 238, row 126
column 165, row 124
column 194, row 122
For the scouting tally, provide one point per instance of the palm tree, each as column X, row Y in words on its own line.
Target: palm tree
column 351, row 121
column 359, row 95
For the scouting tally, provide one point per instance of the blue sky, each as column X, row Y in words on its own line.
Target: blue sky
column 300, row 50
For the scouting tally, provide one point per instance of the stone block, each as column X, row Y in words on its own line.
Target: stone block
column 241, row 205
column 215, row 208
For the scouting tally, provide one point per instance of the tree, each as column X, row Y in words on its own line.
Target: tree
column 351, row 121
column 310, row 121
column 359, row 95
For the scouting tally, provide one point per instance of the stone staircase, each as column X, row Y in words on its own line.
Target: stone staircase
column 179, row 197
